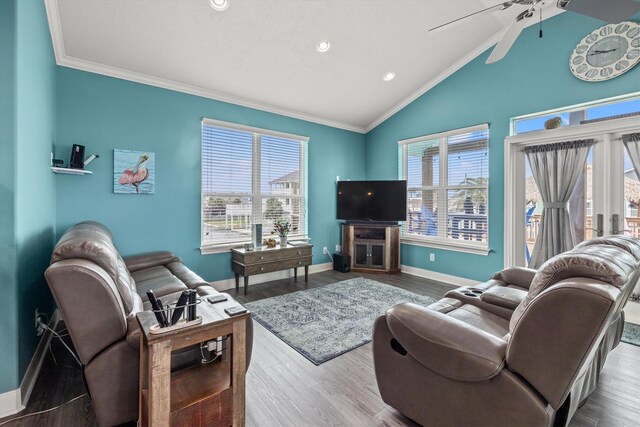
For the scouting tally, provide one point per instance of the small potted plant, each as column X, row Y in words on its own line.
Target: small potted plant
column 282, row 228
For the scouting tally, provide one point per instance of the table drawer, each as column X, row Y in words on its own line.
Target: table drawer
column 269, row 255
column 267, row 267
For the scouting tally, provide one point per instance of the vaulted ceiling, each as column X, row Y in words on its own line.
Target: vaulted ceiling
column 262, row 53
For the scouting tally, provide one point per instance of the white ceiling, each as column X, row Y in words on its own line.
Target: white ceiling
column 261, row 53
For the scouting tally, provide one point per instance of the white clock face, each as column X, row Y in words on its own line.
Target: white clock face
column 607, row 52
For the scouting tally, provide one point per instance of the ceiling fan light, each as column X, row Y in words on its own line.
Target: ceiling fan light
column 219, row 5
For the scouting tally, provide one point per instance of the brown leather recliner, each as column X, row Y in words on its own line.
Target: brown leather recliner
column 525, row 348
column 98, row 294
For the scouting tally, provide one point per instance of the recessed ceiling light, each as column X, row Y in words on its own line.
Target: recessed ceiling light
column 219, row 5
column 323, row 46
column 389, row 76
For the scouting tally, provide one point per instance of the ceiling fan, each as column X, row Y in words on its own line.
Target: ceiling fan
column 612, row 11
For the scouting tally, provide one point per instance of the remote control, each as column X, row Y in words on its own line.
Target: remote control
column 191, row 310
column 235, row 310
column 163, row 313
column 179, row 308
column 157, row 308
column 217, row 298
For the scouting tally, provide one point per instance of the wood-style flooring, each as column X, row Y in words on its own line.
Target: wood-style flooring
column 285, row 389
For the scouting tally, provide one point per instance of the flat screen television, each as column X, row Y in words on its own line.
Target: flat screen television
column 382, row 201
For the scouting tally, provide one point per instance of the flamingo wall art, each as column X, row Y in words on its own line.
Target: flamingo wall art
column 134, row 172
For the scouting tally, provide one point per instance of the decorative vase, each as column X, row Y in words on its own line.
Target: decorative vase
column 553, row 123
column 283, row 241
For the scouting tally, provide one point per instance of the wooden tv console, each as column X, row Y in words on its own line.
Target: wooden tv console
column 372, row 247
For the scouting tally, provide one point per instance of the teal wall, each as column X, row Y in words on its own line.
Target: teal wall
column 533, row 77
column 8, row 303
column 28, row 114
column 35, row 184
column 104, row 113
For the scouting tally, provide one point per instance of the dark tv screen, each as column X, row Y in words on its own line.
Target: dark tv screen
column 384, row 201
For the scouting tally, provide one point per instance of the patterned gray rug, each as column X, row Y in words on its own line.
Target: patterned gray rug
column 323, row 323
column 631, row 334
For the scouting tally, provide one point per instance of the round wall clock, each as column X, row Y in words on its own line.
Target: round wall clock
column 607, row 52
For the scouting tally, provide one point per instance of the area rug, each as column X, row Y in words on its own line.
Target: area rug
column 631, row 334
column 323, row 323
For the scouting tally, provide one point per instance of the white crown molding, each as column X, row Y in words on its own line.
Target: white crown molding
column 226, row 284
column 450, row 71
column 53, row 16
column 438, row 79
column 132, row 76
column 64, row 60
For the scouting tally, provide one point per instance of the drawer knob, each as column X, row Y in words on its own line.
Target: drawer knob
column 299, row 253
column 261, row 268
column 299, row 262
column 261, row 257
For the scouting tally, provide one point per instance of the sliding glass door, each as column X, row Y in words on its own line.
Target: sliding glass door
column 605, row 200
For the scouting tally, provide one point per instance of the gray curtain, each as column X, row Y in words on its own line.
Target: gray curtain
column 556, row 169
column 632, row 144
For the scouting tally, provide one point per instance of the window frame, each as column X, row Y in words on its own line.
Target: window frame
column 256, row 190
column 442, row 189
column 577, row 113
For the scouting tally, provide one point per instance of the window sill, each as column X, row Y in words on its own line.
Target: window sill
column 218, row 249
column 449, row 246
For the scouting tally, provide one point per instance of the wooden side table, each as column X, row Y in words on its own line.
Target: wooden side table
column 200, row 395
column 265, row 260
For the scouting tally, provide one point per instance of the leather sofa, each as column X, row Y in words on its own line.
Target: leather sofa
column 525, row 348
column 98, row 293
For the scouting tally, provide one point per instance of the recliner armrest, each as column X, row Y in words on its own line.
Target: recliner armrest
column 446, row 345
column 518, row 276
column 503, row 296
column 148, row 260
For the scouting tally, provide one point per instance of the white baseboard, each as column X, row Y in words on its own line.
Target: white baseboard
column 14, row 401
column 447, row 279
column 10, row 403
column 226, row 284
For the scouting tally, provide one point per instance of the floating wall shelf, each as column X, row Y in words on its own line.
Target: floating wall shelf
column 69, row 171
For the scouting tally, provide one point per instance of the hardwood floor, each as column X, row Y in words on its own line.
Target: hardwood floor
column 285, row 389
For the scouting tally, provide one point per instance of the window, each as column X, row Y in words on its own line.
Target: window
column 447, row 201
column 598, row 110
column 250, row 176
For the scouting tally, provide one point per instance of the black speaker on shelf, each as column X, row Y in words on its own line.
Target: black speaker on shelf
column 77, row 157
column 341, row 263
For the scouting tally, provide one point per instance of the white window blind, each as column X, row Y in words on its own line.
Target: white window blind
column 250, row 176
column 448, row 200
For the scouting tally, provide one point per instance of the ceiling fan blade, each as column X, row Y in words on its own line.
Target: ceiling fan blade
column 613, row 11
column 509, row 37
column 500, row 6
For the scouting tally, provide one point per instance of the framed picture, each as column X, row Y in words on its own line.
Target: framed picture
column 134, row 172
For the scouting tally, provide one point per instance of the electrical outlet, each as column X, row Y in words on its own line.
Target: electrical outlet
column 338, row 248
column 325, row 250
column 432, row 257
column 39, row 323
